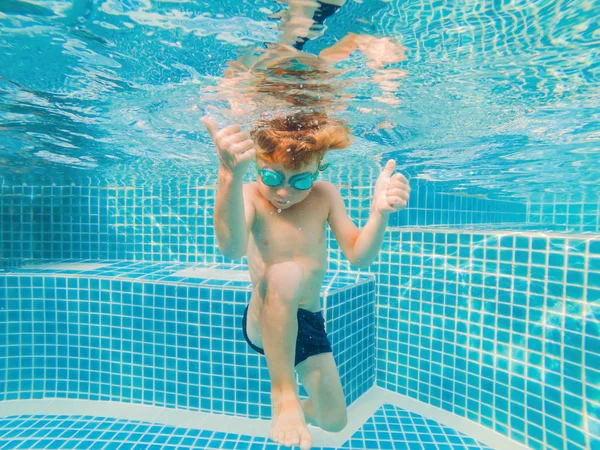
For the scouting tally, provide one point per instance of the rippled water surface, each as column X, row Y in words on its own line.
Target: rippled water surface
column 495, row 97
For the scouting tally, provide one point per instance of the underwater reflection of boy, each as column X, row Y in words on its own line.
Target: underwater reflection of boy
column 279, row 222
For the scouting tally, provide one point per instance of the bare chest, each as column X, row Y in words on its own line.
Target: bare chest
column 295, row 234
column 285, row 234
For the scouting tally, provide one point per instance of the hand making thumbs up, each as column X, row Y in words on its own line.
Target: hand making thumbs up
column 391, row 191
column 234, row 147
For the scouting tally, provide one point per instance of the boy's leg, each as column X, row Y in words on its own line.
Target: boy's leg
column 310, row 414
column 279, row 330
column 327, row 403
column 279, row 324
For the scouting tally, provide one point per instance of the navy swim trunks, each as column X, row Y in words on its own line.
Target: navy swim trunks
column 312, row 337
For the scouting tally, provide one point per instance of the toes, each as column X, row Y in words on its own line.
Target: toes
column 292, row 438
column 281, row 437
column 286, row 438
column 276, row 436
column 305, row 441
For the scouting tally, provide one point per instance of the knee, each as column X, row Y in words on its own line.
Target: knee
column 335, row 422
column 286, row 279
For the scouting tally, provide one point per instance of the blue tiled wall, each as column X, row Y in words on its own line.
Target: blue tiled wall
column 499, row 328
column 564, row 213
column 164, row 343
column 173, row 221
column 432, row 206
column 152, row 223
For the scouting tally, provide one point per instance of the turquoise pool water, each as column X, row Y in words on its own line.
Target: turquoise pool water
column 494, row 98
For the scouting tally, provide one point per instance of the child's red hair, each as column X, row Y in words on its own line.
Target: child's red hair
column 295, row 140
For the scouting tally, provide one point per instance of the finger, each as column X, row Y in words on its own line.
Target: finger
column 396, row 201
column 389, row 167
column 401, row 191
column 398, row 193
column 238, row 137
column 399, row 176
column 395, row 182
column 242, row 146
column 210, row 125
column 229, row 130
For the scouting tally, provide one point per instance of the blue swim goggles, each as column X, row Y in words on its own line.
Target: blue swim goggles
column 301, row 182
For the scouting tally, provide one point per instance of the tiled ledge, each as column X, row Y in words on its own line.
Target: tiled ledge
column 379, row 419
column 232, row 276
column 160, row 335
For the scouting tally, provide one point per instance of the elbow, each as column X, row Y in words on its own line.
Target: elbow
column 232, row 253
column 231, row 247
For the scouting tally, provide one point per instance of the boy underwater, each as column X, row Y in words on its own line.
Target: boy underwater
column 279, row 222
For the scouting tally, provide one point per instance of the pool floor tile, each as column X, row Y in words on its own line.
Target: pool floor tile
column 390, row 427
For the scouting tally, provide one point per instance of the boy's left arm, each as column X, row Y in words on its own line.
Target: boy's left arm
column 362, row 246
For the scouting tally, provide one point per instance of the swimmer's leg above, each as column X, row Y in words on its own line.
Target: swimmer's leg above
column 306, row 18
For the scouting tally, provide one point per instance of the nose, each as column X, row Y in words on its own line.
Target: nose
column 283, row 192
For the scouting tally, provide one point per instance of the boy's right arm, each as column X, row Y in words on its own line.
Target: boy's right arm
column 232, row 215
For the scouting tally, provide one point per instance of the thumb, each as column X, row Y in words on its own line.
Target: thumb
column 210, row 125
column 389, row 167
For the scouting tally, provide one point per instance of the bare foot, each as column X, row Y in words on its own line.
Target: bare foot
column 289, row 426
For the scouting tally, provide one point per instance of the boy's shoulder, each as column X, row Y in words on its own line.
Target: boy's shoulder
column 326, row 188
column 327, row 192
column 251, row 186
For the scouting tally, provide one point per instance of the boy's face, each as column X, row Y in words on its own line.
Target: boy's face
column 284, row 196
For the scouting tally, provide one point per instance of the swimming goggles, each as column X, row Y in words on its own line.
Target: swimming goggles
column 301, row 182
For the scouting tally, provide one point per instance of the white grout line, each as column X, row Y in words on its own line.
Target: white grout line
column 588, row 236
column 358, row 413
column 584, row 381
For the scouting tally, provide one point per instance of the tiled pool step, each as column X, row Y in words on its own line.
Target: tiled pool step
column 167, row 334
column 377, row 418
column 197, row 274
column 380, row 419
